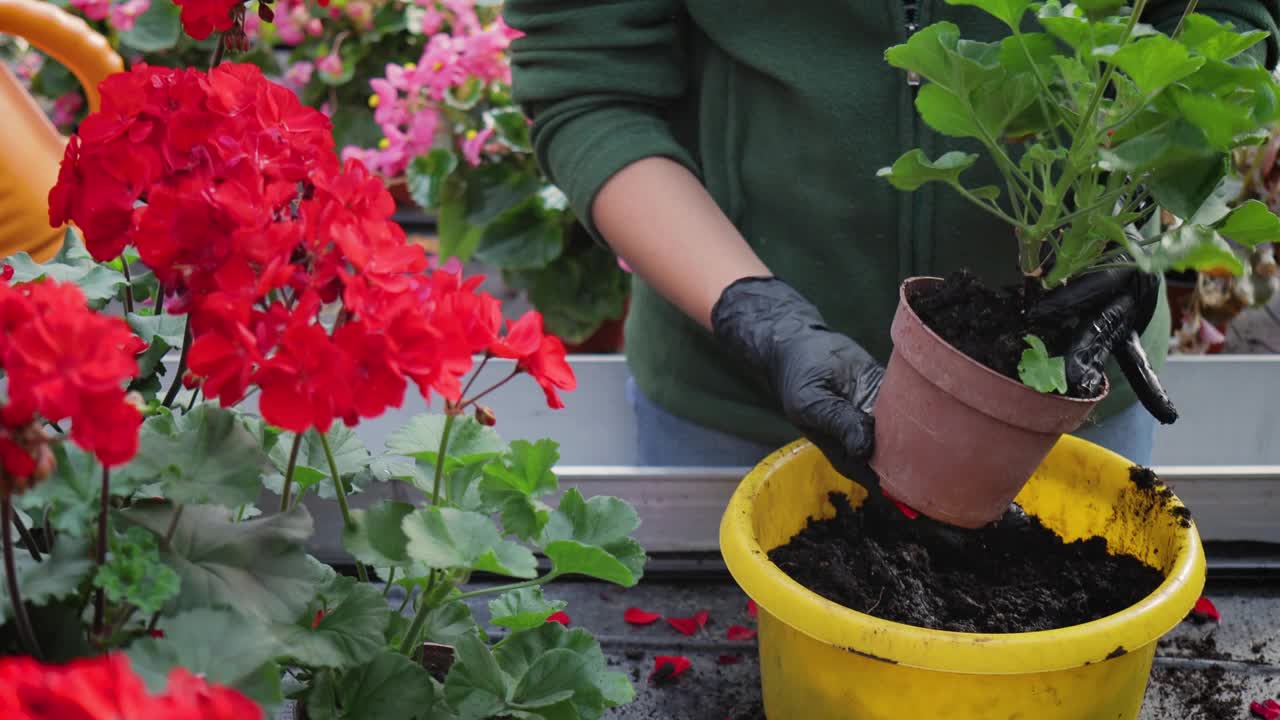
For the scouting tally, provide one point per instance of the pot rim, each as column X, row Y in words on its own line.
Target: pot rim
column 1133, row 628
column 955, row 354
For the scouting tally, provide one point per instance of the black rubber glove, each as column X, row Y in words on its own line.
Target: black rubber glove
column 825, row 382
column 1121, row 302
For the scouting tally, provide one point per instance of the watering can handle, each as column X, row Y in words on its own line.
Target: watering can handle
column 64, row 37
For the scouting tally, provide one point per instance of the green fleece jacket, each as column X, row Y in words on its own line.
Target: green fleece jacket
column 785, row 111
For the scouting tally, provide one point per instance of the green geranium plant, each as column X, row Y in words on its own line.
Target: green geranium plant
column 1096, row 121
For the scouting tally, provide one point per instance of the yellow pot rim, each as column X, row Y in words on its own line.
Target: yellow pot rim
column 975, row 653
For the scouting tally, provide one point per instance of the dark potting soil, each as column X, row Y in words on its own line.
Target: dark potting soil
column 989, row 325
column 999, row 579
column 1199, row 694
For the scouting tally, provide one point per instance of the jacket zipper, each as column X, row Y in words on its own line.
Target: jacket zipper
column 911, row 11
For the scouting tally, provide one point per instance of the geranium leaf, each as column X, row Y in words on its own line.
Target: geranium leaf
column 469, row 441
column 204, row 456
column 70, row 495
column 523, row 609
column 376, row 537
column 591, row 538
column 574, row 558
column 352, row 620
column 1153, row 62
column 1251, row 224
column 1009, row 12
column 162, row 333
column 914, row 169
column 527, row 469
column 134, row 573
column 508, row 558
column 522, row 650
column 59, row 575
column 925, row 53
column 220, row 645
column 1215, row 40
column 448, row 538
column 389, row 686
column 312, row 468
column 477, row 688
column 1190, row 247
column 449, row 622
column 74, row 265
column 258, row 566
column 1040, row 371
column 948, row 113
column 559, row 675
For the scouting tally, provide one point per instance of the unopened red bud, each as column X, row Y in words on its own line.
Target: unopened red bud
column 190, row 381
column 485, row 416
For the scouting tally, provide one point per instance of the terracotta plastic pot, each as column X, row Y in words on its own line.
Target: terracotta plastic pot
column 955, row 439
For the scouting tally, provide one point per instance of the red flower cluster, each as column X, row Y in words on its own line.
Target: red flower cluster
column 105, row 688
column 63, row 361
column 202, row 18
column 232, row 192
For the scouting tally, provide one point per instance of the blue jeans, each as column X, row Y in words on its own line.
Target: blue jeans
column 668, row 440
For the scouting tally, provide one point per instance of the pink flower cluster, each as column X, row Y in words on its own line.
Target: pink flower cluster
column 406, row 101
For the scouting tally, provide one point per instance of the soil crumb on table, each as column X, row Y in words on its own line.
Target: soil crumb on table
column 999, row 579
column 1198, row 694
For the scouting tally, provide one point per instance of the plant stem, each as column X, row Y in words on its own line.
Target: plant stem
column 100, row 598
column 159, row 298
column 170, row 396
column 173, row 525
column 419, row 619
column 1186, row 13
column 27, row 538
column 25, row 630
column 128, row 285
column 288, row 473
column 440, row 456
column 475, row 375
column 391, row 577
column 218, row 52
column 508, row 588
column 959, row 188
column 517, row 371
column 195, row 396
column 341, row 492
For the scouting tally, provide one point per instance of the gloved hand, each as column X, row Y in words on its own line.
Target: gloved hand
column 825, row 382
column 1121, row 302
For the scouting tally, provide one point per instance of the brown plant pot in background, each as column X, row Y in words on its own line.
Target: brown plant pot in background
column 955, row 439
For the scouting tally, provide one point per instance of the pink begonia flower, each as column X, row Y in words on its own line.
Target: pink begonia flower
column 125, row 15
column 66, row 108
column 464, row 15
column 330, row 65
column 474, row 143
column 388, row 108
column 29, row 65
column 361, row 14
column 440, row 63
column 290, row 26
column 93, row 9
column 315, row 28
column 298, row 75
column 432, row 20
column 252, row 25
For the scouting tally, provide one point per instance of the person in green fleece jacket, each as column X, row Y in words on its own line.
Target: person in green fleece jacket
column 722, row 147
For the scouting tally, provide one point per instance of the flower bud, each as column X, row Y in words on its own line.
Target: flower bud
column 485, row 416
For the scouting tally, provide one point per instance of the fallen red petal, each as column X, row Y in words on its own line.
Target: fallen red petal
column 561, row 617
column 1267, row 710
column 738, row 633
column 1205, row 610
column 729, row 659
column 668, row 667
column 752, row 609
column 701, row 617
column 690, row 626
column 636, row 616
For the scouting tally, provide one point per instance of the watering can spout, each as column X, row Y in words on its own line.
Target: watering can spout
column 32, row 146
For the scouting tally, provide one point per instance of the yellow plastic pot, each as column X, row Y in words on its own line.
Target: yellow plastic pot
column 821, row 661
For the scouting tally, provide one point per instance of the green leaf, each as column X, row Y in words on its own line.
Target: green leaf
column 591, row 538
column 59, row 575
column 1040, row 371
column 1221, row 120
column 524, row 237
column 72, row 264
column 426, row 176
column 155, row 30
column 1251, row 224
column 204, row 456
column 1100, row 8
column 476, row 688
column 70, row 495
column 579, row 291
column 312, row 469
column 458, row 236
column 508, row 558
column 1082, row 35
column 469, row 441
column 134, row 574
column 522, row 650
column 947, row 113
column 527, row 469
column 389, row 686
column 446, row 538
column 448, row 623
column 1184, row 188
column 523, row 609
column 1153, row 62
column 218, row 644
column 925, row 53
column 375, row 536
column 914, row 169
column 1009, row 12
column 354, row 125
column 557, row 676
column 258, row 566
column 512, row 127
column 162, row 333
column 1190, row 247
column 350, row 631
column 1217, row 41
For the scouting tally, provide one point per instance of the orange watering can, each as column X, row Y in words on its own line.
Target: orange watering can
column 32, row 147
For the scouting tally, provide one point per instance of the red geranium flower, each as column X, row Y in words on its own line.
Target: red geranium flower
column 540, row 355
column 560, row 617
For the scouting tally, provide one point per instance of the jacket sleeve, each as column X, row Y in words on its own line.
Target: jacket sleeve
column 596, row 77
column 1245, row 15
